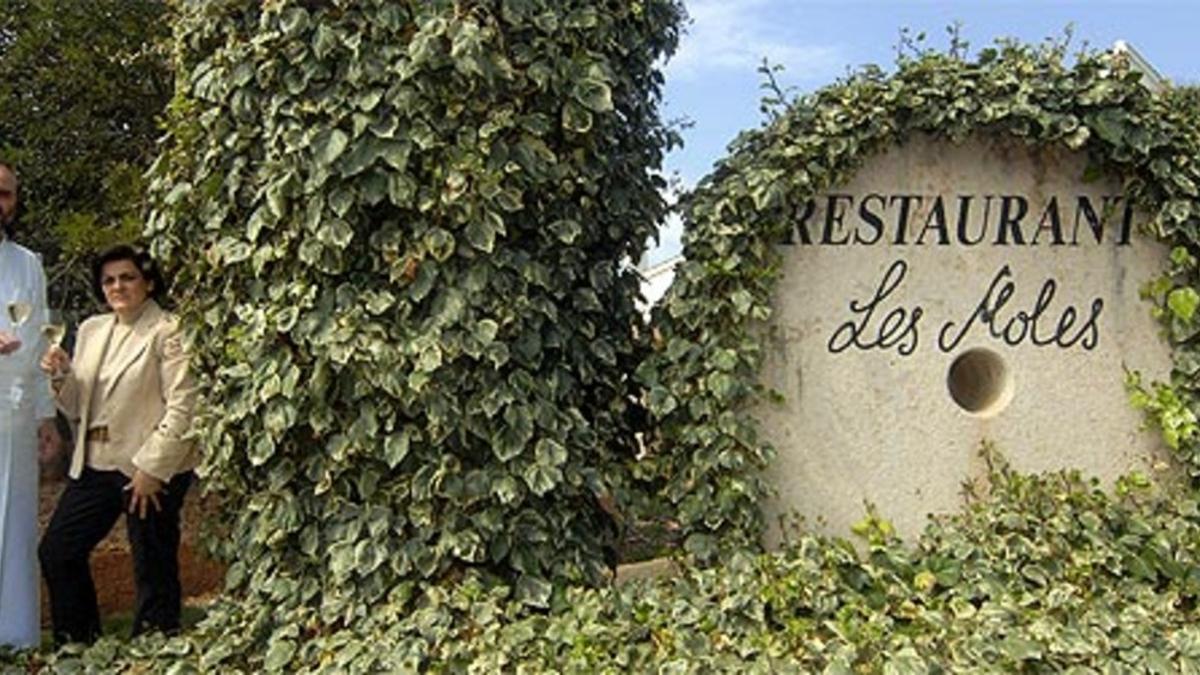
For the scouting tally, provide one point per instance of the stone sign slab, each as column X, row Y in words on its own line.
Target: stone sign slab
column 949, row 295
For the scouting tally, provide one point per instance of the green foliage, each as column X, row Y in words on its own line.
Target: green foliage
column 410, row 223
column 1186, row 98
column 1166, row 408
column 81, row 87
column 1045, row 574
column 702, row 376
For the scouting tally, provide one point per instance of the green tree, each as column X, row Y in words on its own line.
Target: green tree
column 81, row 87
column 411, row 224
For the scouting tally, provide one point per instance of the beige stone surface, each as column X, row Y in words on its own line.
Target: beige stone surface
column 646, row 569
column 879, row 425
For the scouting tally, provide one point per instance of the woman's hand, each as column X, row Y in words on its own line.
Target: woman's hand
column 144, row 490
column 56, row 361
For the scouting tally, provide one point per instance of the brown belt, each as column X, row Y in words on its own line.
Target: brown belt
column 97, row 435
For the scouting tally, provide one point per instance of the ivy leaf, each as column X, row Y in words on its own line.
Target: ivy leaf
column 279, row 654
column 341, row 559
column 485, row 331
column 430, row 359
column 549, row 452
column 440, row 244
column 566, row 230
column 362, row 155
column 1020, row 649
column 661, row 402
column 233, row 250
column 395, row 448
column 262, row 450
column 906, row 662
column 541, row 479
column 1180, row 210
column 514, row 434
column 1110, row 125
column 518, row 12
column 534, row 591
column 723, row 386
column 582, row 19
column 395, row 154
column 547, row 21
column 497, row 353
column 368, row 555
column 576, row 118
column 427, row 43
column 509, row 199
column 481, row 234
column 506, row 489
column 534, row 156
column 1183, row 303
column 378, row 303
column 329, row 145
column 293, row 20
column 1077, row 138
column 594, row 95
column 341, row 200
column 277, row 198
column 336, row 232
column 465, row 49
column 325, row 40
column 742, row 301
column 701, row 546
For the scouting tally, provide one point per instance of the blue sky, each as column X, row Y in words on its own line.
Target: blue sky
column 713, row 82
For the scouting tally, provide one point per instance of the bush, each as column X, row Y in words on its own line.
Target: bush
column 1045, row 574
column 411, row 224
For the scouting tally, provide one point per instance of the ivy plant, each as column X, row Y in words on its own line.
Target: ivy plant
column 1046, row 574
column 702, row 375
column 402, row 234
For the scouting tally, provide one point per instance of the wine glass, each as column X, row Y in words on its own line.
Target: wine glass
column 18, row 312
column 54, row 333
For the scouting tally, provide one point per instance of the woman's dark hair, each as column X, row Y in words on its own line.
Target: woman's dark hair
column 140, row 259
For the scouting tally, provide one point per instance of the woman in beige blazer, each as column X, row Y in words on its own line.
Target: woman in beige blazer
column 130, row 396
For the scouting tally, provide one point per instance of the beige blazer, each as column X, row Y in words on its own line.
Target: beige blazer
column 150, row 398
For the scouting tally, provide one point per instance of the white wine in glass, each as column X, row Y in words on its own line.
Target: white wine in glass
column 54, row 333
column 18, row 312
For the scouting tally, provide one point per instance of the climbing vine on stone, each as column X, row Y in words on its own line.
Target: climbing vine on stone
column 702, row 377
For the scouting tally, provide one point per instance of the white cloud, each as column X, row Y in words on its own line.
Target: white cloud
column 737, row 34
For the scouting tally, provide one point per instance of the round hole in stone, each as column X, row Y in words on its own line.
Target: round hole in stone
column 979, row 382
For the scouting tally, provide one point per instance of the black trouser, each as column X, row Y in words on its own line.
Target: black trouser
column 87, row 510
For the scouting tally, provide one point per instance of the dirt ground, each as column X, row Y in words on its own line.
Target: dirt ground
column 112, row 567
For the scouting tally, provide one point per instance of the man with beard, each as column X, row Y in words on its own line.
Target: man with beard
column 26, row 415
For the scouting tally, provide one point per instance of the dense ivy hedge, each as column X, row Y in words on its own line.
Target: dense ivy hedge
column 1047, row 574
column 410, row 223
column 703, row 373
column 402, row 235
